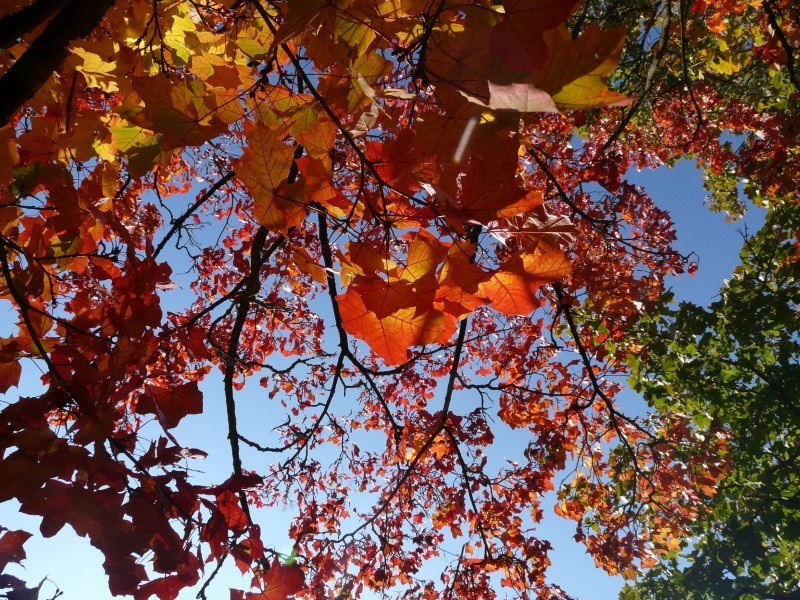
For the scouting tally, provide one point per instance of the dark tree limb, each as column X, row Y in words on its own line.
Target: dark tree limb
column 75, row 20
column 257, row 259
column 17, row 24
column 344, row 344
column 787, row 47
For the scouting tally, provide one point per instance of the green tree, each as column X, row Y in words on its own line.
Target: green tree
column 734, row 368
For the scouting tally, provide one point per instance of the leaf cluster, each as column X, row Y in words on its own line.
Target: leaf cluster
column 733, row 367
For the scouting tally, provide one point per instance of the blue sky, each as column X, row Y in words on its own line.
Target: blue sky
column 76, row 567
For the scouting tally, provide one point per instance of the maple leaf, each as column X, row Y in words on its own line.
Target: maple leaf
column 10, row 372
column 181, row 111
column 398, row 312
column 281, row 581
column 459, row 280
column 171, row 404
column 576, row 71
column 412, row 153
column 264, row 169
column 488, row 187
column 518, row 40
column 519, row 97
column 98, row 63
column 231, row 511
column 391, row 319
column 513, row 288
column 300, row 15
column 11, row 546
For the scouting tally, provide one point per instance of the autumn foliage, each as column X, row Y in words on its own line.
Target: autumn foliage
column 409, row 221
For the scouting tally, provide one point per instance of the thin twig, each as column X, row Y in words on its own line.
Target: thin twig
column 440, row 426
column 178, row 223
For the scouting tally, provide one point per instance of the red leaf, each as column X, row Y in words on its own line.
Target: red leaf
column 281, row 582
column 237, row 483
column 248, row 550
column 165, row 588
column 10, row 372
column 231, row 511
column 170, row 405
column 11, row 547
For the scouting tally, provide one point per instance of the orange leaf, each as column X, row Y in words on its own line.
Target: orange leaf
column 231, row 510
column 264, row 168
column 308, row 265
column 399, row 163
column 424, row 256
column 177, row 109
column 317, row 178
column 458, row 282
column 390, row 319
column 490, row 187
column 398, row 312
column 300, row 15
column 512, row 290
column 576, row 70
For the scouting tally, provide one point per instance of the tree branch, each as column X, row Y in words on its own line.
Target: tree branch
column 178, row 223
column 257, row 259
column 440, row 426
column 344, row 344
column 19, row 23
column 787, row 47
column 77, row 19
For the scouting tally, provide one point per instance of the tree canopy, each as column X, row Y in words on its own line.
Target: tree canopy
column 716, row 366
column 410, row 222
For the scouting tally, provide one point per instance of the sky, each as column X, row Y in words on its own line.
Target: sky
column 75, row 566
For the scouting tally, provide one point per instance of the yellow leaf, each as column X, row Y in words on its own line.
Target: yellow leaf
column 97, row 61
column 576, row 71
column 179, row 40
column 256, row 40
column 139, row 146
column 723, row 67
